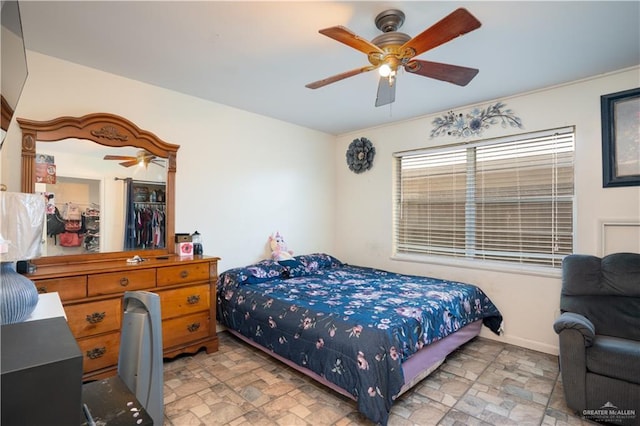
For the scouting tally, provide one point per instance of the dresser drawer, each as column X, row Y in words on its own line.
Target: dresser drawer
column 118, row 282
column 68, row 288
column 183, row 274
column 184, row 301
column 100, row 351
column 185, row 329
column 95, row 317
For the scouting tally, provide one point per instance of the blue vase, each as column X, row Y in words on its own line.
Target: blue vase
column 18, row 295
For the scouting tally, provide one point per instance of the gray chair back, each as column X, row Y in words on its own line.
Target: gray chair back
column 605, row 290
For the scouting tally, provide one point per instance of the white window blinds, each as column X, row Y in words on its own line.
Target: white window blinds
column 508, row 200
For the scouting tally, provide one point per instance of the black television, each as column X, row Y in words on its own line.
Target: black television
column 40, row 374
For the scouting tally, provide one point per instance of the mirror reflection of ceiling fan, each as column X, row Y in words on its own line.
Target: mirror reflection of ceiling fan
column 143, row 158
column 392, row 50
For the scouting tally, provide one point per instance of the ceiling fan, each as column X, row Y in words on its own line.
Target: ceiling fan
column 392, row 50
column 142, row 158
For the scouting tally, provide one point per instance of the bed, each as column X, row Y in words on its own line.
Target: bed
column 366, row 333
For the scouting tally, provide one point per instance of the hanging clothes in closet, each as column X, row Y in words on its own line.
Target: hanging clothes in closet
column 130, row 216
column 145, row 215
column 150, row 225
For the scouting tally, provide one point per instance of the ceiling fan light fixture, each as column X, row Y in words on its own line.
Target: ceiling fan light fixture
column 384, row 70
column 389, row 66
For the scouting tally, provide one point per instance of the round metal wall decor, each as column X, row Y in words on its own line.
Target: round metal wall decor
column 360, row 155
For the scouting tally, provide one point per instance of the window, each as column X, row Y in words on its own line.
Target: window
column 507, row 200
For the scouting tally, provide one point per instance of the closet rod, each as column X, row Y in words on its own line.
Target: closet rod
column 142, row 181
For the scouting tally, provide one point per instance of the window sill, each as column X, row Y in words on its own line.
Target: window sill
column 540, row 271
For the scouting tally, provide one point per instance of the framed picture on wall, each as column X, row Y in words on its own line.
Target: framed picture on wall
column 621, row 138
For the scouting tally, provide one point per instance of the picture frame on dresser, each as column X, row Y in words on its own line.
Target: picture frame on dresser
column 620, row 113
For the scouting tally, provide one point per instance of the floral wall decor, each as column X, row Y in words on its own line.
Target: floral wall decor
column 360, row 155
column 474, row 122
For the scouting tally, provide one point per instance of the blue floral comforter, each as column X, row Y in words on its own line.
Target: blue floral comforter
column 352, row 325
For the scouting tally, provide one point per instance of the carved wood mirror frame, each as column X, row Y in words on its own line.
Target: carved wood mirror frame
column 104, row 129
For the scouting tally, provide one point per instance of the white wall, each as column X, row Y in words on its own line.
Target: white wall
column 240, row 176
column 529, row 302
column 13, row 64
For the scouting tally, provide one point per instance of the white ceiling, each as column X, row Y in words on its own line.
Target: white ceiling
column 258, row 56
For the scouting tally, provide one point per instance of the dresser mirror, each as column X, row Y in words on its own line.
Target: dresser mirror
column 119, row 178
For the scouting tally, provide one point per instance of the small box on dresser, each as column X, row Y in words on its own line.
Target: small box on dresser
column 184, row 249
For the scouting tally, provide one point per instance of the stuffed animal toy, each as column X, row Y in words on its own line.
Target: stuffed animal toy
column 279, row 248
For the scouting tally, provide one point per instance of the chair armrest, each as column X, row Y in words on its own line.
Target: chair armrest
column 573, row 321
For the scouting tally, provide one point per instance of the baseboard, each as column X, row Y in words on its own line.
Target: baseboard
column 524, row 343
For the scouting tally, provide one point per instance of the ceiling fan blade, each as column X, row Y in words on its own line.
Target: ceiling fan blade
column 386, row 92
column 457, row 23
column 452, row 73
column 129, row 163
column 118, row 157
column 158, row 162
column 344, row 35
column 338, row 77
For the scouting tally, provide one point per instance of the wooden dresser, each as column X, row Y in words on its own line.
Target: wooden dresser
column 92, row 294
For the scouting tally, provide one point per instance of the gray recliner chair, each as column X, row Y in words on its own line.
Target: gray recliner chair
column 599, row 332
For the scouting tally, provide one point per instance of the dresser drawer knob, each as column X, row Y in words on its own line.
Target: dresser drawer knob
column 184, row 274
column 96, row 353
column 95, row 317
column 42, row 290
column 124, row 281
column 193, row 299
column 193, row 327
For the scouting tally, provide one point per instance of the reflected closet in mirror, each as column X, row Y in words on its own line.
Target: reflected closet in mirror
column 119, row 178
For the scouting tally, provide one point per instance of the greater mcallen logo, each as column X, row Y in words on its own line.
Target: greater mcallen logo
column 610, row 413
